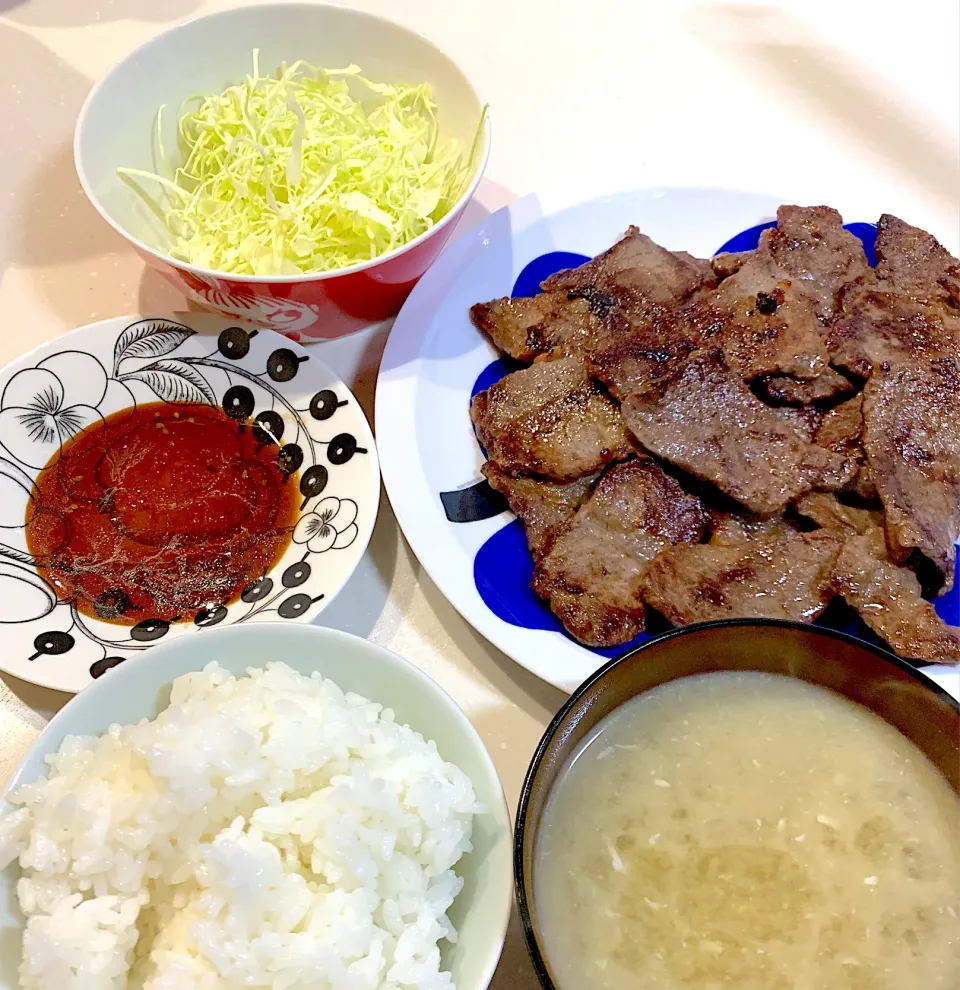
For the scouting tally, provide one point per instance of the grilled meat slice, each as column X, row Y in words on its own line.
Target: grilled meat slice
column 842, row 426
column 545, row 507
column 828, row 512
column 592, row 574
column 907, row 309
column 810, row 244
column 728, row 529
column 911, row 261
column 887, row 327
column 781, row 294
column 654, row 349
column 770, row 327
column 729, row 263
column 888, row 599
column 635, row 269
column 767, row 314
column 782, row 340
column 911, row 437
column 706, row 421
column 773, row 572
column 526, row 328
column 551, row 420
column 841, row 430
column 805, row 420
column 794, row 392
column 581, row 310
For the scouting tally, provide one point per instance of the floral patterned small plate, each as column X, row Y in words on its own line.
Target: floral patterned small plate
column 53, row 393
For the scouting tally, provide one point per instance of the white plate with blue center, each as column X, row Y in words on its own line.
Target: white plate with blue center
column 436, row 360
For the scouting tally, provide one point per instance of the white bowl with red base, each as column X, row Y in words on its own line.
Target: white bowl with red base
column 116, row 128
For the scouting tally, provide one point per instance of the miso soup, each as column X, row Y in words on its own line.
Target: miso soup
column 749, row 831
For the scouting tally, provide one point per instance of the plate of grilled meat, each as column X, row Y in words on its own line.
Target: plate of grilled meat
column 678, row 406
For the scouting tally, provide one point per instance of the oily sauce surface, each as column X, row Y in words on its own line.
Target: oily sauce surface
column 160, row 512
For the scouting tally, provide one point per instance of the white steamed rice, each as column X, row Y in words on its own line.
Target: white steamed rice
column 263, row 831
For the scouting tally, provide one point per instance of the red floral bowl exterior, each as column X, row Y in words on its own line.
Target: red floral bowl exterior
column 201, row 56
column 318, row 307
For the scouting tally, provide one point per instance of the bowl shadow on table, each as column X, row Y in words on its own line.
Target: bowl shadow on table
column 44, row 217
column 489, row 197
column 786, row 52
column 516, row 683
column 46, row 701
column 82, row 269
column 515, row 971
column 60, row 224
column 363, row 598
column 81, row 13
column 523, row 689
column 432, row 296
column 520, row 689
column 10, row 943
column 157, row 294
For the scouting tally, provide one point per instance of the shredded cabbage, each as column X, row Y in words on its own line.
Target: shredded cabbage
column 290, row 174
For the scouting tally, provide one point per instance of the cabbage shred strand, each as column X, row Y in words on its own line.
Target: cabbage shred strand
column 292, row 174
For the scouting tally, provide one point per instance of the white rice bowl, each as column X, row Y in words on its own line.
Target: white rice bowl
column 266, row 830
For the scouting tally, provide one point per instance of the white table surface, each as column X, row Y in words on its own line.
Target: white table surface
column 837, row 101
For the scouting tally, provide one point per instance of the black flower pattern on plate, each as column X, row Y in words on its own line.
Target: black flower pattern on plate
column 71, row 390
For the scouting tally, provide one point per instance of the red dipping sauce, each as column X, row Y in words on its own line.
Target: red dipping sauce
column 160, row 512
